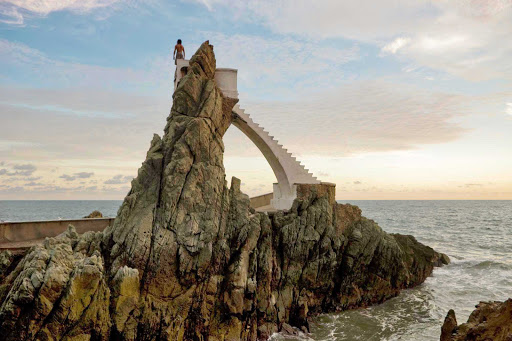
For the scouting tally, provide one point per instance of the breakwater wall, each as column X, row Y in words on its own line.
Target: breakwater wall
column 16, row 235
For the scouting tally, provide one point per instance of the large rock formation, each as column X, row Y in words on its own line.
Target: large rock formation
column 187, row 258
column 489, row 321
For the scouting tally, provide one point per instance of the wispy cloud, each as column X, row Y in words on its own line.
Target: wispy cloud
column 119, row 179
column 19, row 170
column 287, row 63
column 24, row 170
column 52, row 73
column 473, row 185
column 363, row 117
column 80, row 175
column 396, row 45
column 469, row 39
column 15, row 11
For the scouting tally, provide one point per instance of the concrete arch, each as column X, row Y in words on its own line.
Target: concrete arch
column 287, row 169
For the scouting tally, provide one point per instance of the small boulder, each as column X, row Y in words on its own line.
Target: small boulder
column 449, row 326
column 94, row 214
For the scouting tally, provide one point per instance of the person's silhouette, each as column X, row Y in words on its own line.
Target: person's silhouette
column 179, row 52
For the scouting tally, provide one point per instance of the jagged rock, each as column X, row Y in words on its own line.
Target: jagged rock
column 489, row 321
column 94, row 214
column 5, row 261
column 187, row 258
column 449, row 326
column 57, row 289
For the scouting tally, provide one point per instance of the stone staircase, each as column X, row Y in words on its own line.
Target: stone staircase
column 295, row 171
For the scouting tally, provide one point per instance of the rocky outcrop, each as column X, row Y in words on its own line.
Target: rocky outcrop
column 187, row 258
column 6, row 259
column 94, row 214
column 489, row 321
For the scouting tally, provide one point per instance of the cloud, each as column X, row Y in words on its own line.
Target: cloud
column 122, row 132
column 26, row 169
column 119, row 179
column 353, row 19
column 10, row 15
column 67, row 177
column 32, row 183
column 19, row 170
column 11, row 189
column 53, row 73
column 15, row 11
column 84, row 175
column 81, row 175
column 508, row 110
column 363, row 117
column 286, row 63
column 395, row 45
column 469, row 39
column 473, row 185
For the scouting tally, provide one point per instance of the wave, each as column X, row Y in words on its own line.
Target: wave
column 490, row 264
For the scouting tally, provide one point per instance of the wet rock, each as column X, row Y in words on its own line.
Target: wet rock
column 489, row 321
column 449, row 326
column 188, row 259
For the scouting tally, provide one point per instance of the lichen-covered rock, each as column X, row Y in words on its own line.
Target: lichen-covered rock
column 6, row 259
column 57, row 290
column 187, row 258
column 489, row 321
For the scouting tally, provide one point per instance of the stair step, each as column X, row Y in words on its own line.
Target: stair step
column 303, row 172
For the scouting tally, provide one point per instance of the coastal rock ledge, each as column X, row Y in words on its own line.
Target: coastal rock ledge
column 489, row 321
column 187, row 258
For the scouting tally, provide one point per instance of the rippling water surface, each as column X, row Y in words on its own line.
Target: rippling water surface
column 477, row 235
column 30, row 210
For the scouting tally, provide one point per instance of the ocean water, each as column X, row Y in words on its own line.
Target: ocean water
column 33, row 210
column 477, row 235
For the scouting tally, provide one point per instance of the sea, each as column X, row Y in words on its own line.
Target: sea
column 476, row 235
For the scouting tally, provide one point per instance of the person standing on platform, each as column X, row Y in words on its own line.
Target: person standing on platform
column 179, row 52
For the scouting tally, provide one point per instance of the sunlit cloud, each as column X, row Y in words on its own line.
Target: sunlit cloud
column 363, row 117
column 14, row 11
column 469, row 39
column 509, row 109
column 289, row 64
column 396, row 45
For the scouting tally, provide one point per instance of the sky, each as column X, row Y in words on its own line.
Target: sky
column 389, row 99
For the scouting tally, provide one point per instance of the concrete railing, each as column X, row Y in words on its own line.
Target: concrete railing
column 261, row 200
column 26, row 231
